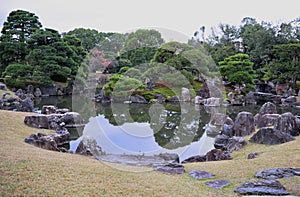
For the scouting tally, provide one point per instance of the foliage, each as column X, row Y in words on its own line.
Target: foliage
column 237, row 69
column 16, row 31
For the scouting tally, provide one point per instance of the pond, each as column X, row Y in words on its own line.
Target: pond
column 152, row 129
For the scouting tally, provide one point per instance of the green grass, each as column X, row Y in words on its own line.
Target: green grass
column 26, row 170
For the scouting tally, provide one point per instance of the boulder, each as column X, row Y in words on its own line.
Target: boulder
column 72, row 118
column 88, row 146
column 38, row 92
column 30, row 89
column 56, row 141
column 287, row 123
column 185, row 95
column 217, row 184
column 270, row 136
column 160, row 98
column 196, row 158
column 267, row 97
column 218, row 155
column 266, row 120
column 27, row 105
column 3, row 87
column 227, row 130
column 171, row 168
column 268, row 108
column 278, row 173
column 215, row 125
column 201, row 174
column 37, row 121
column 204, row 92
column 19, row 93
column 198, row 100
column 244, row 124
column 250, row 98
column 138, row 99
column 48, row 109
column 229, row 144
column 265, row 187
column 174, row 99
column 212, row 102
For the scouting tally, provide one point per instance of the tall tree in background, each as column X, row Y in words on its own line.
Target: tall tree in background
column 237, row 69
column 17, row 30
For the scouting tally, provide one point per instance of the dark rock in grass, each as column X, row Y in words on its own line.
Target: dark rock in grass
column 270, row 136
column 244, row 124
column 48, row 109
column 37, row 121
column 27, row 105
column 3, row 87
column 265, row 187
column 252, row 155
column 218, row 184
column 227, row 130
column 171, row 168
column 196, row 158
column 287, row 123
column 277, row 173
column 200, row 174
column 218, row 155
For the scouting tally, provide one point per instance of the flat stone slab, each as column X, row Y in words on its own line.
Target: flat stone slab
column 265, row 187
column 200, row 174
column 218, row 184
column 278, row 173
column 171, row 168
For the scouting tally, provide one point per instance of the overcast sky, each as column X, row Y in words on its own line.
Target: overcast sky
column 121, row 15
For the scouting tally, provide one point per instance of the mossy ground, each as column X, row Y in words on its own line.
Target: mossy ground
column 26, row 170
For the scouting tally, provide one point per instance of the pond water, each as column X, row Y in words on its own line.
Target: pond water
column 139, row 129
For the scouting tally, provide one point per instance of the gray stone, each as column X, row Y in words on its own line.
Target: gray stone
column 48, row 109
column 201, row 174
column 268, row 108
column 267, row 97
column 160, row 98
column 3, row 87
column 253, row 155
column 172, row 169
column 287, row 123
column 278, row 173
column 212, row 102
column 265, row 187
column 244, row 124
column 229, row 144
column 185, row 94
column 30, row 89
column 266, row 120
column 88, row 146
column 196, row 158
column 138, row 99
column 250, row 98
column 204, row 92
column 270, row 136
column 37, row 92
column 19, row 93
column 27, row 105
column 227, row 130
column 217, row 184
column 218, row 155
column 37, row 121
column 174, row 99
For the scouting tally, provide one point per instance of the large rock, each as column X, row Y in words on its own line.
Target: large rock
column 3, row 87
column 171, row 168
column 227, row 130
column 278, row 173
column 204, row 92
column 27, row 105
column 185, row 95
column 229, row 144
column 268, row 108
column 37, row 93
column 88, row 146
column 265, row 187
column 30, row 89
column 19, row 93
column 266, row 120
column 48, row 109
column 58, row 141
column 218, row 155
column 287, row 123
column 270, row 136
column 37, row 121
column 212, row 102
column 267, row 97
column 138, row 99
column 215, row 125
column 160, row 98
column 244, row 124
column 250, row 98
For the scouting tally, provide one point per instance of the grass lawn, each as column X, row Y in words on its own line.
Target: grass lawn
column 26, row 170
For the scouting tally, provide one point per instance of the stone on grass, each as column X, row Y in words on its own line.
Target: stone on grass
column 244, row 124
column 88, row 146
column 201, row 174
column 278, row 173
column 217, row 184
column 287, row 123
column 265, row 187
column 270, row 136
column 171, row 168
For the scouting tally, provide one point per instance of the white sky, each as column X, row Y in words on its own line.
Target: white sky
column 120, row 15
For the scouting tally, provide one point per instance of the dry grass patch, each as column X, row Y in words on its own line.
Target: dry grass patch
column 26, row 170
